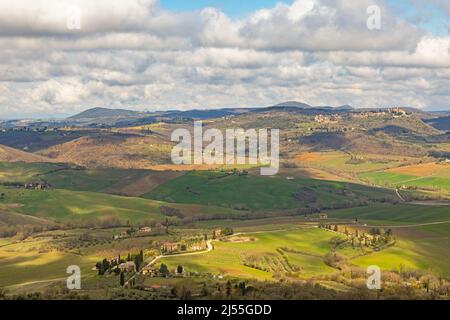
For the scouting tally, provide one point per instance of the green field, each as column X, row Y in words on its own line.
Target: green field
column 405, row 254
column 81, row 206
column 418, row 247
column 23, row 172
column 255, row 192
column 423, row 236
column 73, row 205
column 306, row 250
column 390, row 179
column 214, row 198
column 96, row 180
column 395, row 214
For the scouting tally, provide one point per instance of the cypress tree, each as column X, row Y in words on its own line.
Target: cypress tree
column 122, row 279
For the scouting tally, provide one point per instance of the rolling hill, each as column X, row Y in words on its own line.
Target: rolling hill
column 262, row 193
column 112, row 150
column 8, row 154
column 139, row 147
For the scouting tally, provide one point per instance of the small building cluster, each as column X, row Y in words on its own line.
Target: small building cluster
column 393, row 112
column 328, row 119
column 37, row 186
column 185, row 245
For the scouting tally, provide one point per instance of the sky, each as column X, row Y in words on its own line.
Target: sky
column 60, row 57
column 233, row 8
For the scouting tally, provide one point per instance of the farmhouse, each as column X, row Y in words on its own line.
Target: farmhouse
column 323, row 216
column 145, row 230
column 129, row 266
column 121, row 235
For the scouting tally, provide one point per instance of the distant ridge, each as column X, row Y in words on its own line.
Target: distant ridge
column 302, row 105
column 115, row 114
column 105, row 113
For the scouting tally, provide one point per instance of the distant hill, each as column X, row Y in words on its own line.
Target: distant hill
column 294, row 104
column 302, row 105
column 95, row 113
column 125, row 118
column 8, row 154
column 344, row 107
column 203, row 114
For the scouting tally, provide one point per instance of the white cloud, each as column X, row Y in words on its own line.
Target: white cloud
column 133, row 53
column 49, row 17
column 71, row 91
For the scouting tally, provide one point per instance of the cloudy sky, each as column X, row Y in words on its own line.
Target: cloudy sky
column 59, row 57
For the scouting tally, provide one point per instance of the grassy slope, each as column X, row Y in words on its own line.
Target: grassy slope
column 19, row 172
column 254, row 192
column 422, row 247
column 418, row 247
column 35, row 259
column 405, row 254
column 34, row 266
column 96, row 180
column 395, row 214
column 66, row 205
column 20, row 205
column 431, row 175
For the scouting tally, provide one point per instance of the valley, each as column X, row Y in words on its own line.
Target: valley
column 98, row 190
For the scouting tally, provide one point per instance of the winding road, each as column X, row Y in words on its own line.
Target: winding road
column 399, row 195
column 210, row 246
